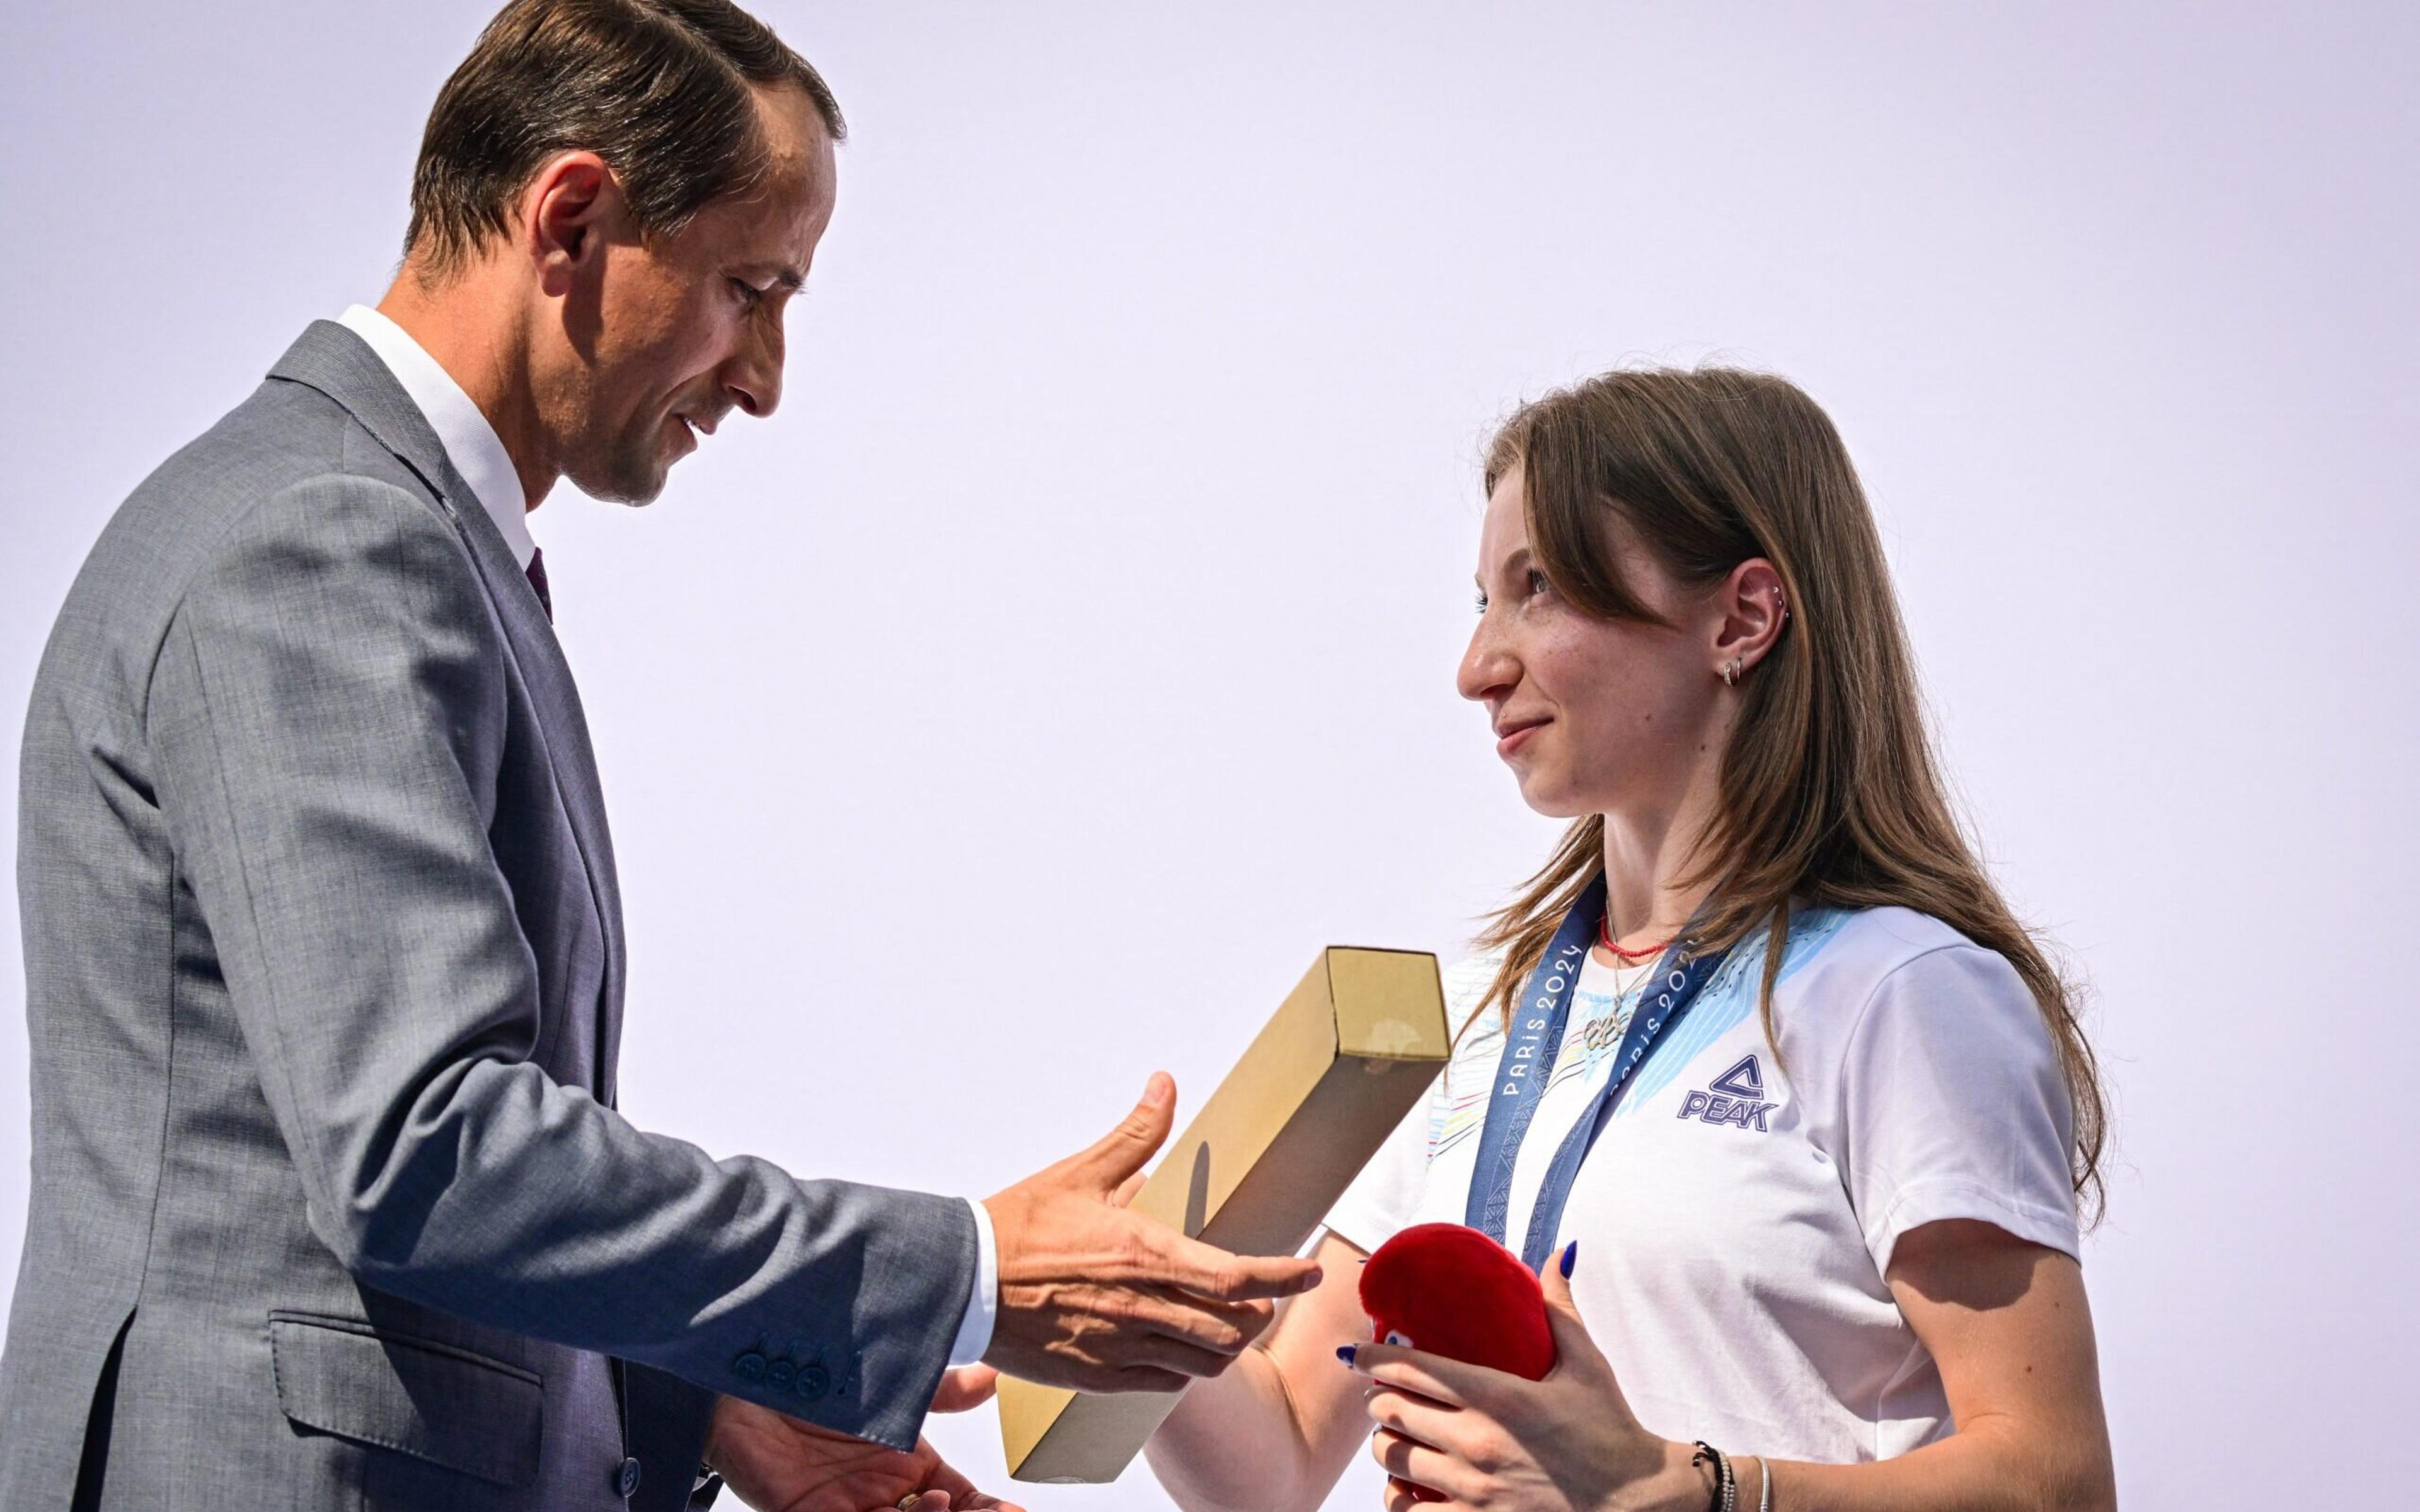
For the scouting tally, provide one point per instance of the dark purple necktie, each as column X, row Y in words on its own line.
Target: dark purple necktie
column 537, row 580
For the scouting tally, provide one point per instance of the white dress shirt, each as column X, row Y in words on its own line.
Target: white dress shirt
column 478, row 454
column 471, row 443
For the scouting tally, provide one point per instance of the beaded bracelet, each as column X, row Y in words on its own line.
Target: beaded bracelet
column 1725, row 1497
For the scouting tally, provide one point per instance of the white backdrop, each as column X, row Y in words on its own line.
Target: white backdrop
column 1076, row 645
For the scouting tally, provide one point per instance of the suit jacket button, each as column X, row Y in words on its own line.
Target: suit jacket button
column 814, row 1381
column 779, row 1374
column 749, row 1366
column 625, row 1480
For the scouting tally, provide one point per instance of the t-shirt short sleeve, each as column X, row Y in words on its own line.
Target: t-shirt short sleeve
column 1953, row 1106
column 1382, row 1199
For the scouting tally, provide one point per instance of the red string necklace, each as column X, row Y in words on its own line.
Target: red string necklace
column 1629, row 957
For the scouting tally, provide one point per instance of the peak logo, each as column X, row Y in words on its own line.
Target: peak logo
column 1736, row 1098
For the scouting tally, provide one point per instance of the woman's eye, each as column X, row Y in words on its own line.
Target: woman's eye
column 749, row 293
column 1538, row 583
column 1479, row 603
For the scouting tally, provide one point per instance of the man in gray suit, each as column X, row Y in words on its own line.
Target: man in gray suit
column 331, row 1203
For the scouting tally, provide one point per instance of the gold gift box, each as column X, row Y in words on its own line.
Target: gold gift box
column 1327, row 1079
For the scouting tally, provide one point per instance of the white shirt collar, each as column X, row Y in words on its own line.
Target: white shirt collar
column 471, row 443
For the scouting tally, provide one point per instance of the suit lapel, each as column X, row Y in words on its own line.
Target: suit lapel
column 340, row 364
column 563, row 724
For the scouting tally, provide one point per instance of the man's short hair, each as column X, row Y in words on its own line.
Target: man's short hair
column 661, row 89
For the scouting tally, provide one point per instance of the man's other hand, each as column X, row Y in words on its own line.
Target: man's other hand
column 1095, row 1298
column 776, row 1464
column 964, row 1388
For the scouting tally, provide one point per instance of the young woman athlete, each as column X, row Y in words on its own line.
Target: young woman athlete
column 1814, row 1247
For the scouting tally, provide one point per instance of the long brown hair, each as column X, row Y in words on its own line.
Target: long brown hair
column 1829, row 789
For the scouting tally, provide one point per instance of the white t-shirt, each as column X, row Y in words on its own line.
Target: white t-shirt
column 1737, row 1214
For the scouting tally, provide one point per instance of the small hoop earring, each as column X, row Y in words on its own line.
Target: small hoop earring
column 1731, row 672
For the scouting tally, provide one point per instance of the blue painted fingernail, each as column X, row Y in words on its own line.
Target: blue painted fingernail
column 1571, row 1251
column 1345, row 1352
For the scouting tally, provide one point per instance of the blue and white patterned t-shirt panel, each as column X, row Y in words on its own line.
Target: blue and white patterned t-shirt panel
column 1729, row 999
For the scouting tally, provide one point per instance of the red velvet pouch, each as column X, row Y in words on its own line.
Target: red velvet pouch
column 1449, row 1289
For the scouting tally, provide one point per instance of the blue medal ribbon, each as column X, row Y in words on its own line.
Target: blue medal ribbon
column 1531, row 1043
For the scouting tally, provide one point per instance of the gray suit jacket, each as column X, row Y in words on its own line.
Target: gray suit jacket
column 324, row 959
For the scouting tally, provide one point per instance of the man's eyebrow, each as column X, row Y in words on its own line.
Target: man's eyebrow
column 785, row 276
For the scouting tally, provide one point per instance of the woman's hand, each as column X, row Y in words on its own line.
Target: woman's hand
column 1494, row 1443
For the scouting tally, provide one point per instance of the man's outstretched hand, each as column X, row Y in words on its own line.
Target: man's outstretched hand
column 776, row 1464
column 1095, row 1298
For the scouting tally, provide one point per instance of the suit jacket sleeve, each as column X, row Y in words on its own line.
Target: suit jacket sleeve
column 324, row 715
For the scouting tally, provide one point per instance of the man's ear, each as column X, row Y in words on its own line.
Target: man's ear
column 568, row 212
column 1753, row 613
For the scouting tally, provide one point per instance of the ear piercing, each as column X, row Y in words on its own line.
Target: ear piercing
column 1738, row 665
